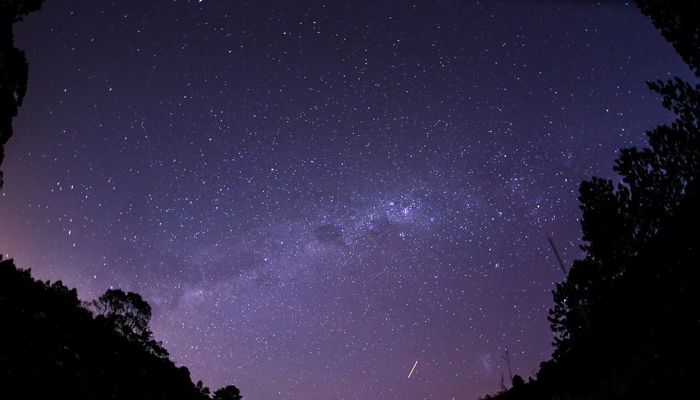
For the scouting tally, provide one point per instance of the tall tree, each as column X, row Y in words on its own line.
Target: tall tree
column 14, row 69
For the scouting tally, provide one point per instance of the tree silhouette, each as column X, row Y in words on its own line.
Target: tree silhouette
column 228, row 393
column 518, row 381
column 128, row 314
column 677, row 21
column 619, row 219
column 203, row 389
column 14, row 69
column 626, row 316
column 54, row 348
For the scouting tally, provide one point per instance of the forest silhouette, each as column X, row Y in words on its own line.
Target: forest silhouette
column 626, row 317
column 55, row 346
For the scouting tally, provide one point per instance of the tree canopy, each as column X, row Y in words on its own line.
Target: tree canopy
column 228, row 393
column 626, row 316
column 129, row 315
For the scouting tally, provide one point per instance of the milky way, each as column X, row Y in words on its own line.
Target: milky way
column 315, row 195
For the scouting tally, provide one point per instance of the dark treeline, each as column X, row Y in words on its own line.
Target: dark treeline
column 639, row 339
column 54, row 346
column 627, row 318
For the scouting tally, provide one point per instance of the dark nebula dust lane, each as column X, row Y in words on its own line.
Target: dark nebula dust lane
column 314, row 196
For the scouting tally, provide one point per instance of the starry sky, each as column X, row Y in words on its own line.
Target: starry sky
column 314, row 195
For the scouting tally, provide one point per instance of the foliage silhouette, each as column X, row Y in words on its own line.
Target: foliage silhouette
column 56, row 349
column 677, row 21
column 203, row 389
column 14, row 69
column 228, row 393
column 626, row 318
column 128, row 314
column 641, row 340
column 618, row 221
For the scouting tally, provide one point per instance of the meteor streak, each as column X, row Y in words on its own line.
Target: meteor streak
column 414, row 367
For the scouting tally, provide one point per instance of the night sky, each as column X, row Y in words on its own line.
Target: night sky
column 315, row 195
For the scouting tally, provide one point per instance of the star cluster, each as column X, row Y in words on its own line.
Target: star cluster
column 315, row 195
